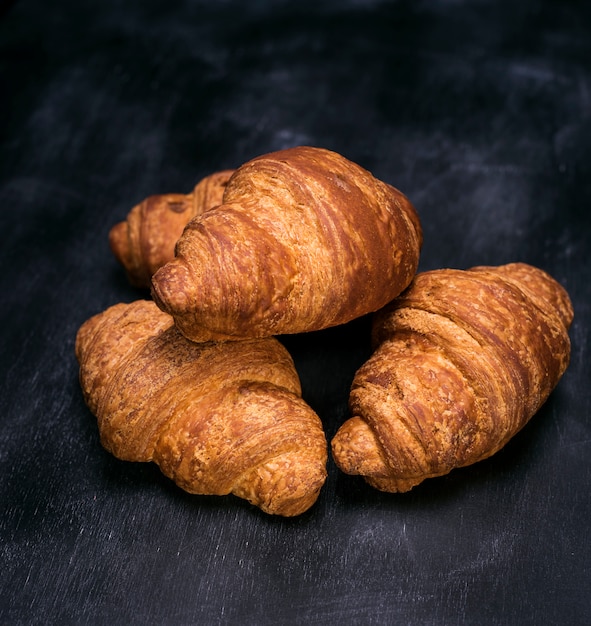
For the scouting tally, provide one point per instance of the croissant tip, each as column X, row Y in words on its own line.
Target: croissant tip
column 355, row 449
column 169, row 287
column 293, row 507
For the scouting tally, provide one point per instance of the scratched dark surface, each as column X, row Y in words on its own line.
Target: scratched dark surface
column 479, row 111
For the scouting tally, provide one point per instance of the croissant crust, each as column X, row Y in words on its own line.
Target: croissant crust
column 462, row 361
column 145, row 241
column 217, row 418
column 304, row 240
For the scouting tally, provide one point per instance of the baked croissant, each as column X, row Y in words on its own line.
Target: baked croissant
column 463, row 360
column 305, row 239
column 217, row 418
column 145, row 240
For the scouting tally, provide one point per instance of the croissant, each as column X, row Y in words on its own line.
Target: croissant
column 216, row 418
column 305, row 239
column 145, row 240
column 463, row 360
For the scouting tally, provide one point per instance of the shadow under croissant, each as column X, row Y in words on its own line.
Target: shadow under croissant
column 326, row 361
column 506, row 470
column 139, row 481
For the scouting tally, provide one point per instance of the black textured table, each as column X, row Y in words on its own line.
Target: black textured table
column 479, row 111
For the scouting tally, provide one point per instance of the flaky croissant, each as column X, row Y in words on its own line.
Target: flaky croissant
column 145, row 240
column 305, row 239
column 463, row 360
column 217, row 418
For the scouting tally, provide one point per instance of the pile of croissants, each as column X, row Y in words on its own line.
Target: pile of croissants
column 194, row 377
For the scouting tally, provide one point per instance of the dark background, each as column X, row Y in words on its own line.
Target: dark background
column 479, row 111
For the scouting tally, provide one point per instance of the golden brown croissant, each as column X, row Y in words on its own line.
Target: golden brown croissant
column 217, row 418
column 304, row 240
column 145, row 240
column 463, row 360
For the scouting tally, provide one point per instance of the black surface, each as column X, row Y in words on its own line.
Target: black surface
column 479, row 111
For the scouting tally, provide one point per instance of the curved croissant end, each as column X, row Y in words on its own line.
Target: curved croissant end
column 145, row 241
